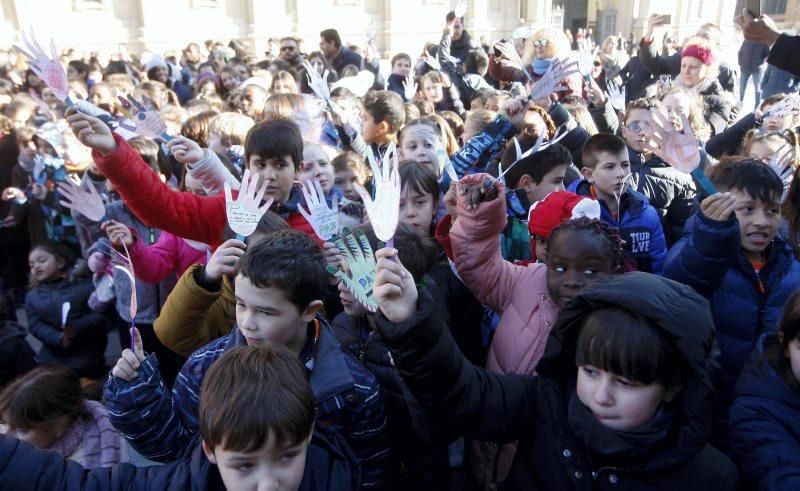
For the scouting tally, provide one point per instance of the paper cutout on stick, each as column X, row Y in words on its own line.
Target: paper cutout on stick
column 357, row 254
column 384, row 210
column 317, row 83
column 87, row 203
column 324, row 220
column 553, row 79
column 146, row 120
column 64, row 313
column 48, row 69
column 246, row 211
column 790, row 104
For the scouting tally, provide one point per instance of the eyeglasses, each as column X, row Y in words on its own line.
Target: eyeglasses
column 639, row 126
column 287, row 48
column 541, row 43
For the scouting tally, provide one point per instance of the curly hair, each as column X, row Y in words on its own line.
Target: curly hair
column 606, row 233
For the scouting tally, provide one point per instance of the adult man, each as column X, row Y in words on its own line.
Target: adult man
column 290, row 52
column 330, row 45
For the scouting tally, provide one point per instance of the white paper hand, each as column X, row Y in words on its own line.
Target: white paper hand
column 508, row 50
column 360, row 262
column 372, row 33
column 616, row 95
column 87, row 203
column 680, row 150
column 461, row 8
column 316, row 83
column 410, row 86
column 64, row 313
column 784, row 107
column 324, row 220
column 246, row 211
column 781, row 163
column 586, row 56
column 553, row 79
column 143, row 115
column 48, row 69
column 384, row 210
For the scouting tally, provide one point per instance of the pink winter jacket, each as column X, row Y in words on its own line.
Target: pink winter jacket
column 518, row 293
column 170, row 254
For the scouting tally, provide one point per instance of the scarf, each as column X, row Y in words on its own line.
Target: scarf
column 92, row 431
column 541, row 65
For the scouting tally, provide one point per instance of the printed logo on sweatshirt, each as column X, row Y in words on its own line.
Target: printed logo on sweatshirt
column 639, row 242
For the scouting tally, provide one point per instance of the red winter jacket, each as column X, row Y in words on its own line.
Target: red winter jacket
column 187, row 215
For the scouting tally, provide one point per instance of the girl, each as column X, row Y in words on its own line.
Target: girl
column 528, row 298
column 47, row 408
column 778, row 149
column 765, row 416
column 679, row 101
column 229, row 80
column 419, row 142
column 348, row 168
column 78, row 343
column 283, row 83
column 437, row 89
column 317, row 165
column 622, row 396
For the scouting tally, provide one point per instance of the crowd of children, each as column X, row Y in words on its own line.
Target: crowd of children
column 563, row 305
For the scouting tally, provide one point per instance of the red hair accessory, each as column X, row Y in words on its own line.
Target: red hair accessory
column 702, row 53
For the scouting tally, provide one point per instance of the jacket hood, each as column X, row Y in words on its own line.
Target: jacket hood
column 464, row 41
column 633, row 202
column 681, row 314
column 760, row 378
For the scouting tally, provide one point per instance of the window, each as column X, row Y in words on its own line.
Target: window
column 773, row 7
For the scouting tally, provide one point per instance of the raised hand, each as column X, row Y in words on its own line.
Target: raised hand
column 324, row 220
column 318, row 83
column 185, row 150
column 12, row 193
column 509, row 52
column 616, row 95
column 718, row 206
column 118, row 233
column 781, row 163
column 553, row 79
column 91, row 132
column 678, row 149
column 360, row 263
column 593, row 92
column 432, row 62
column 653, row 21
column 87, row 203
column 410, row 86
column 146, row 121
column 394, row 289
column 48, row 69
column 131, row 359
column 372, row 33
column 246, row 211
column 224, row 260
column 384, row 210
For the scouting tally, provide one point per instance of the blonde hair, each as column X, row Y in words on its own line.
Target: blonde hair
column 231, row 127
column 558, row 44
column 287, row 78
column 697, row 112
column 282, row 106
column 448, row 137
column 775, row 140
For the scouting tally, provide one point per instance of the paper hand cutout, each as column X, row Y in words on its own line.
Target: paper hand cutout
column 616, row 95
column 324, row 220
column 48, row 69
column 360, row 261
column 461, row 8
column 781, row 163
column 553, row 79
column 318, row 84
column 586, row 56
column 64, row 313
column 246, row 211
column 508, row 50
column 432, row 62
column 784, row 107
column 409, row 86
column 146, row 121
column 372, row 33
column 87, row 203
column 523, row 32
column 384, row 210
column 540, row 145
column 444, row 162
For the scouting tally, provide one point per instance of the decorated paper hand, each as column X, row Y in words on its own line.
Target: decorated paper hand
column 318, row 84
column 246, row 211
column 678, row 149
column 540, row 145
column 410, row 86
column 360, row 263
column 324, row 220
column 461, row 8
column 87, row 203
column 48, row 69
column 145, row 118
column 786, row 106
column 586, row 56
column 523, row 32
column 616, row 95
column 384, row 210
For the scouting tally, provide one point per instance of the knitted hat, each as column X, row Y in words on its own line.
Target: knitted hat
column 556, row 208
column 702, row 53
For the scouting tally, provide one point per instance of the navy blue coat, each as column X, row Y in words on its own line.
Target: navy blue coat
column 765, row 424
column 709, row 259
column 329, row 465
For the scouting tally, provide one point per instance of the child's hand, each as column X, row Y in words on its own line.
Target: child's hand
column 224, row 259
column 91, row 132
column 185, row 150
column 516, row 109
column 718, row 206
column 332, row 254
column 129, row 362
column 12, row 194
column 593, row 93
column 394, row 288
column 474, row 194
column 118, row 233
column 451, row 201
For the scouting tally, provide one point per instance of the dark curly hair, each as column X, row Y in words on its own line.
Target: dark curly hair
column 608, row 234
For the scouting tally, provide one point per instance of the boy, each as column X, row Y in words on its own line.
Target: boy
column 401, row 66
column 606, row 168
column 669, row 191
column 731, row 255
column 226, row 130
column 279, row 284
column 273, row 151
column 383, row 115
column 278, row 446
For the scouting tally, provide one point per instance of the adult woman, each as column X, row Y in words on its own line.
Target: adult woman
column 321, row 65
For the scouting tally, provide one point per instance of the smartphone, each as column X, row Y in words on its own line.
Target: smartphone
column 754, row 7
column 666, row 81
column 666, row 19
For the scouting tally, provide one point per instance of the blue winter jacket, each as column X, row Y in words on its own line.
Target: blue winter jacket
column 329, row 465
column 639, row 226
column 765, row 423
column 745, row 304
column 347, row 397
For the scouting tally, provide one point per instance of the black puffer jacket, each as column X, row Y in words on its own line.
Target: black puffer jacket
column 722, row 108
column 671, row 192
column 533, row 410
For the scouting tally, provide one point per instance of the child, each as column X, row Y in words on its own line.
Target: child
column 477, row 120
column 401, row 66
column 763, row 146
column 80, row 342
column 226, row 130
column 279, row 286
column 317, row 165
column 606, row 167
column 277, row 447
column 668, row 190
column 621, row 397
column 381, row 120
column 765, row 414
column 419, row 141
column 730, row 255
column 538, row 174
column 527, row 298
column 552, row 211
column 349, row 168
column 437, row 89
column 47, row 408
column 273, row 151
column 16, row 355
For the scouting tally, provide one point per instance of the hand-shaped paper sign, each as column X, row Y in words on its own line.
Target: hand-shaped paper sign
column 784, row 107
column 781, row 163
column 87, row 203
column 64, row 313
column 553, row 79
column 586, row 56
column 384, row 210
column 372, row 33
column 678, row 149
column 523, row 32
column 318, row 83
column 540, row 145
column 246, row 211
column 123, row 263
column 616, row 95
column 324, row 220
column 360, row 262
column 48, row 69
column 432, row 62
column 146, row 121
column 409, row 86
column 461, row 8
column 508, row 50
column 444, row 162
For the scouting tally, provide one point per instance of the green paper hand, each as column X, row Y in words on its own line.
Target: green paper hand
column 360, row 262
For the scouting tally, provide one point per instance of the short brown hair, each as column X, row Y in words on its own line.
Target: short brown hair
column 42, row 396
column 196, row 127
column 266, row 389
column 601, row 142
